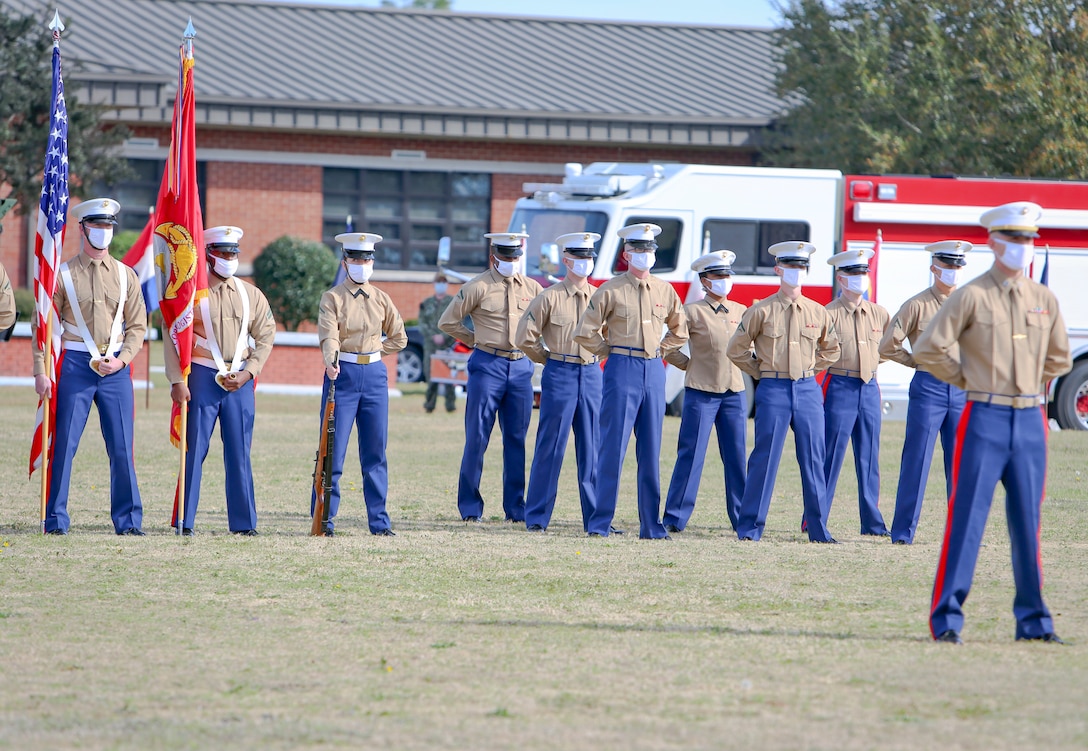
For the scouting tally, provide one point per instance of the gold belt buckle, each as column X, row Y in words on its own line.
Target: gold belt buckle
column 102, row 348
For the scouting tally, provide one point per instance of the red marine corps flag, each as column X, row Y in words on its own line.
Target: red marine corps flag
column 179, row 242
column 179, row 228
column 48, row 241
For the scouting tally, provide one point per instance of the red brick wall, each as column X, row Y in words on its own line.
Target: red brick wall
column 265, row 200
column 16, row 359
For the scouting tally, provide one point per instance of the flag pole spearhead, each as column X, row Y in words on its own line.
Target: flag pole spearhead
column 190, row 32
column 57, row 26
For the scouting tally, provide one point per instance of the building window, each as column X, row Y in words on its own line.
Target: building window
column 749, row 239
column 138, row 194
column 411, row 211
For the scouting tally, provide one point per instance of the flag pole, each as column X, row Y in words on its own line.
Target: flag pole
column 183, row 444
column 47, row 407
column 56, row 26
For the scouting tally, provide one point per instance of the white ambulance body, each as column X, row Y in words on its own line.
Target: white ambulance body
column 748, row 209
column 745, row 209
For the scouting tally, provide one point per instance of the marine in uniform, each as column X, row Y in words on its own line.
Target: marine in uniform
column 103, row 321
column 934, row 407
column 793, row 338
column 353, row 318
column 713, row 394
column 434, row 339
column 624, row 322
column 500, row 378
column 570, row 386
column 1000, row 338
column 852, row 412
column 221, row 381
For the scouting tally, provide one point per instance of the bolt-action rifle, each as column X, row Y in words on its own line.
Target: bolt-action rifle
column 323, row 465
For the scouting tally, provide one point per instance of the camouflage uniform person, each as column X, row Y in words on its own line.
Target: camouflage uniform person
column 434, row 339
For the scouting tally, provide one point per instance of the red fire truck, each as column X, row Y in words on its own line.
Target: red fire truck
column 748, row 209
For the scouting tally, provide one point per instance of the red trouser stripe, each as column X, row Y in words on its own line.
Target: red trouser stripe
column 957, row 455
column 1039, row 528
column 827, row 380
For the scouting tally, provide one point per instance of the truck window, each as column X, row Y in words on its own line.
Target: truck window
column 750, row 238
column 545, row 225
column 668, row 244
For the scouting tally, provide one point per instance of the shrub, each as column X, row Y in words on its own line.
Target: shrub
column 293, row 273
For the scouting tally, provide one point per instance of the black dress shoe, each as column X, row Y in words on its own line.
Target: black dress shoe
column 245, row 533
column 900, row 542
column 328, row 532
column 828, row 541
column 1052, row 638
column 594, row 534
column 535, row 528
column 672, row 528
column 56, row 532
column 132, row 531
column 385, row 533
column 949, row 637
column 473, row 519
column 187, row 532
column 613, row 531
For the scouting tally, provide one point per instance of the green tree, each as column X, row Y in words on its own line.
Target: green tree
column 122, row 243
column 25, row 100
column 989, row 87
column 293, row 273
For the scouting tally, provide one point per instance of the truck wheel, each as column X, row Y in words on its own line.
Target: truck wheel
column 1072, row 401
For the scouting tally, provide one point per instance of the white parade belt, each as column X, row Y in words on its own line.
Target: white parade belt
column 361, row 358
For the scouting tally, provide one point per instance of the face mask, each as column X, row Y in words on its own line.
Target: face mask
column 949, row 277
column 856, row 284
column 1015, row 255
column 505, row 268
column 99, row 238
column 224, row 268
column 359, row 273
column 794, row 277
column 643, row 261
column 720, row 287
column 582, row 267
column 440, row 288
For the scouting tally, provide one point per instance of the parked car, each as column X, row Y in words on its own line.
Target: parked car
column 410, row 359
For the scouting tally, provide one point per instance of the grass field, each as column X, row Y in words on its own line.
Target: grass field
column 456, row 636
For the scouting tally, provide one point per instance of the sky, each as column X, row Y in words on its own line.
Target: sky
column 759, row 13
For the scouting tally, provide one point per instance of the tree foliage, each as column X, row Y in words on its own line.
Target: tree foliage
column 293, row 273
column 986, row 87
column 26, row 50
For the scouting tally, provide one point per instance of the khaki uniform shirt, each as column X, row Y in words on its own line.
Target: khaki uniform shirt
column 1011, row 337
column 860, row 328
column 98, row 294
column 630, row 314
column 225, row 313
column 710, row 326
column 909, row 323
column 800, row 334
column 549, row 323
column 7, row 301
column 352, row 318
column 495, row 304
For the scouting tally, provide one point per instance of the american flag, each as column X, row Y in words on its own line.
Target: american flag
column 49, row 241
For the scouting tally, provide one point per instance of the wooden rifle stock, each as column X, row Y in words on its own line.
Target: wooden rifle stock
column 323, row 465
